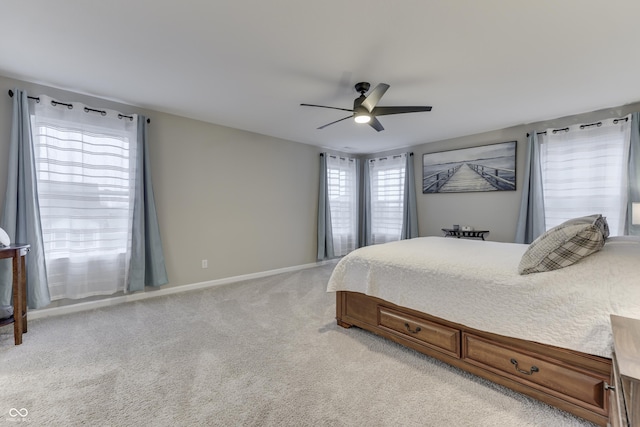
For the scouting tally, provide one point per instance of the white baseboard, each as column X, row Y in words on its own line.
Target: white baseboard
column 107, row 302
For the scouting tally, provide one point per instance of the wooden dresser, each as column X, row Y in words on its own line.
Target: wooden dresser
column 624, row 403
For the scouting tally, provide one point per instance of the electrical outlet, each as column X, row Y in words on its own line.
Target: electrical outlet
column 205, row 263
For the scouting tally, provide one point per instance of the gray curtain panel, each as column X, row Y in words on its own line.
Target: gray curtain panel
column 147, row 267
column 21, row 211
column 634, row 172
column 410, row 211
column 325, row 233
column 365, row 211
column 531, row 223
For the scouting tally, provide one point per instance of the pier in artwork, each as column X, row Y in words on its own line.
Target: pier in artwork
column 469, row 177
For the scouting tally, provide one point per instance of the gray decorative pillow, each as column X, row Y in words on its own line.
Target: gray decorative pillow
column 561, row 247
column 595, row 219
column 603, row 226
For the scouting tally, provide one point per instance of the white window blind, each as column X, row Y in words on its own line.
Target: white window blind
column 387, row 176
column 85, row 162
column 343, row 199
column 584, row 172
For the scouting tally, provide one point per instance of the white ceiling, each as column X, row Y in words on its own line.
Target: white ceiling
column 248, row 64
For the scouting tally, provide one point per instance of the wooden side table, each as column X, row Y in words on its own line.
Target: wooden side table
column 624, row 410
column 18, row 252
column 465, row 234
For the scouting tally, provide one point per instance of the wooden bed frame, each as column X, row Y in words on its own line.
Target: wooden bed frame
column 572, row 381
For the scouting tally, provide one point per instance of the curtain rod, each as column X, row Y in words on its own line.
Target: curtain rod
column 86, row 109
column 597, row 124
column 350, row 158
column 30, row 97
column 335, row 156
column 395, row 156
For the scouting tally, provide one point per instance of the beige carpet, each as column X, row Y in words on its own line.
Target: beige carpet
column 263, row 352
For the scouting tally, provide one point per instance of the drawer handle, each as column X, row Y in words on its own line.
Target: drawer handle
column 415, row 331
column 522, row 371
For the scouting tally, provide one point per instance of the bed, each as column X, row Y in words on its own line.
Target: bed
column 547, row 335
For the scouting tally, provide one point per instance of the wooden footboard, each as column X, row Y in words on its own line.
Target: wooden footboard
column 572, row 381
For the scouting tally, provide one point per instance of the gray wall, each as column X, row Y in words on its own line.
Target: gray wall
column 495, row 211
column 245, row 202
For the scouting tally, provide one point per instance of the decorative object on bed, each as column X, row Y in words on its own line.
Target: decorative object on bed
column 475, row 311
column 486, row 168
column 596, row 219
column 565, row 244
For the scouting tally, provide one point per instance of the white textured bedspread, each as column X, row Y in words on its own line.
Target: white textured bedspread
column 476, row 283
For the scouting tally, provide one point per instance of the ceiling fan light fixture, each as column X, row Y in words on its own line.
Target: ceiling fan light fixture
column 362, row 118
column 361, row 114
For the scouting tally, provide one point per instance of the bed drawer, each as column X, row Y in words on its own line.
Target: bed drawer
column 551, row 376
column 425, row 332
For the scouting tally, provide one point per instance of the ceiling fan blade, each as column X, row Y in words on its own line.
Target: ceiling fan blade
column 324, row 106
column 329, row 124
column 375, row 123
column 385, row 111
column 374, row 96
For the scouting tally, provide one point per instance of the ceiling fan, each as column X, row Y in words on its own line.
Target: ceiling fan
column 366, row 109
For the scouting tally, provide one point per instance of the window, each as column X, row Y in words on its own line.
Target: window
column 85, row 163
column 584, row 172
column 343, row 198
column 387, row 176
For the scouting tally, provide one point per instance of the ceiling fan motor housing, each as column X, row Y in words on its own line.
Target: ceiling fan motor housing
column 362, row 87
column 357, row 104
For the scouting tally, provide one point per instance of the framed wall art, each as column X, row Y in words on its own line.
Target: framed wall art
column 485, row 168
